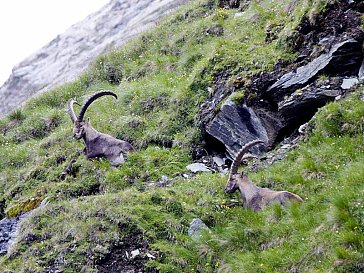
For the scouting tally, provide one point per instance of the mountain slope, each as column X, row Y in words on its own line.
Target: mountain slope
column 71, row 52
column 98, row 216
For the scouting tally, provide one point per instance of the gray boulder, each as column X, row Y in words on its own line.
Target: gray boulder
column 8, row 229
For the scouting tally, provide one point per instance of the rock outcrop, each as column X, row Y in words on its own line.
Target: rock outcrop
column 70, row 53
column 291, row 94
column 344, row 59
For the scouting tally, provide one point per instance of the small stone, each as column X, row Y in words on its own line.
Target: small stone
column 302, row 128
column 150, row 256
column 239, row 14
column 319, row 251
column 286, row 146
column 198, row 167
column 349, row 83
column 196, row 226
column 164, row 178
column 218, row 161
column 135, row 253
column 185, row 175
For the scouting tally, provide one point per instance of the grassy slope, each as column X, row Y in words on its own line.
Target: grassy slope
column 161, row 78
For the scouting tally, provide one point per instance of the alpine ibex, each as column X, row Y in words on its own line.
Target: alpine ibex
column 97, row 144
column 254, row 197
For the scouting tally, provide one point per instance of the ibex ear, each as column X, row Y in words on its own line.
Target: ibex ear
column 88, row 120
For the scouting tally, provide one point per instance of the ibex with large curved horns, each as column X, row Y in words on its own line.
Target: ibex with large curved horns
column 97, row 144
column 254, row 197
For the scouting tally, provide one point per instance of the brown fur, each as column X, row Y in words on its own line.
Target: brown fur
column 254, row 197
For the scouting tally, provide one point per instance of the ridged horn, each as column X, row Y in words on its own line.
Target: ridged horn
column 91, row 100
column 70, row 110
column 239, row 156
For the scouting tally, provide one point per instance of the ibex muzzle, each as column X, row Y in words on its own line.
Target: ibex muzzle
column 254, row 197
column 97, row 144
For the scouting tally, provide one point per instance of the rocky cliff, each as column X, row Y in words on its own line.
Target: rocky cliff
column 70, row 53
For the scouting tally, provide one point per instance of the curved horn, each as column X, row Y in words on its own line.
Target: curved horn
column 91, row 100
column 71, row 111
column 239, row 156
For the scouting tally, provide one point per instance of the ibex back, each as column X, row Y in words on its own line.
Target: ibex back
column 97, row 144
column 254, row 197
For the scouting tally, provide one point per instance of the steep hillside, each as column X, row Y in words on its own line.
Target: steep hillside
column 174, row 84
column 71, row 52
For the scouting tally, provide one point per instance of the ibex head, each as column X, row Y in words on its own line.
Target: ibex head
column 79, row 125
column 79, row 128
column 234, row 177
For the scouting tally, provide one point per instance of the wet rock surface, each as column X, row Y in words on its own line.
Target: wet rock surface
column 198, row 167
column 8, row 230
column 71, row 52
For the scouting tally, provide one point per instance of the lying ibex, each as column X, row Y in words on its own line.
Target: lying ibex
column 97, row 144
column 254, row 197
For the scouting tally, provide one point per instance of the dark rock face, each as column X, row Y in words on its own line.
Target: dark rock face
column 340, row 21
column 71, row 52
column 296, row 96
column 235, row 126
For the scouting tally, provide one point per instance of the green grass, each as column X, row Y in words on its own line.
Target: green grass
column 161, row 79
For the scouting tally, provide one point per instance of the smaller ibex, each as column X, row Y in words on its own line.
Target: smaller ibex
column 97, row 144
column 254, row 197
